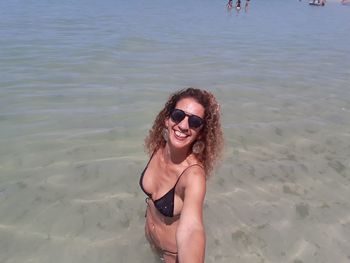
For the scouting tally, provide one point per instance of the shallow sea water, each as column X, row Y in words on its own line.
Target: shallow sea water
column 81, row 82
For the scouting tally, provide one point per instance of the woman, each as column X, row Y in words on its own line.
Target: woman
column 184, row 143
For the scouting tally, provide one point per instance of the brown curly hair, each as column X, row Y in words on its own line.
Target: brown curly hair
column 211, row 133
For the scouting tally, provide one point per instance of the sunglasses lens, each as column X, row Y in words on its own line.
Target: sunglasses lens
column 195, row 122
column 177, row 115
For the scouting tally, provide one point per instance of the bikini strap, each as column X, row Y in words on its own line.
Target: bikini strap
column 154, row 152
column 188, row 167
column 144, row 170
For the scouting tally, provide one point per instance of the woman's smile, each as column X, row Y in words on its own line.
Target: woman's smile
column 180, row 135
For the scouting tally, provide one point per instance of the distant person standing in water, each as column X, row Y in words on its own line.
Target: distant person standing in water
column 246, row 5
column 184, row 143
column 238, row 5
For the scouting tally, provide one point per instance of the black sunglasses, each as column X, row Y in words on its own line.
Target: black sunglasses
column 194, row 121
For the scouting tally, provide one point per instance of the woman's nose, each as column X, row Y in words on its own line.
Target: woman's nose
column 183, row 125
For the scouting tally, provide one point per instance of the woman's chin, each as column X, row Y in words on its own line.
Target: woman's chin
column 179, row 144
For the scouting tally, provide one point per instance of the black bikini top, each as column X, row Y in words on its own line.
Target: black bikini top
column 165, row 204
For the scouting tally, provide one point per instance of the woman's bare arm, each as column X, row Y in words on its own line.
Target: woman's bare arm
column 190, row 235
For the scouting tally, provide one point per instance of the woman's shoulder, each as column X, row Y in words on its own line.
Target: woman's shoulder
column 194, row 174
column 194, row 183
column 194, row 166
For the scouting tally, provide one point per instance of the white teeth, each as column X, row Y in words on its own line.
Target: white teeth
column 180, row 134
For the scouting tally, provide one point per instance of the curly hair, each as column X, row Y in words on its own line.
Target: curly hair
column 211, row 133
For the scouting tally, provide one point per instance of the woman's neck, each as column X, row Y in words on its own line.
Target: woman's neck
column 174, row 156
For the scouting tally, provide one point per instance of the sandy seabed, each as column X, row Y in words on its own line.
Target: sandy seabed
column 78, row 94
column 280, row 194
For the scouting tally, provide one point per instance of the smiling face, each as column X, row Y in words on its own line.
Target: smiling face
column 181, row 135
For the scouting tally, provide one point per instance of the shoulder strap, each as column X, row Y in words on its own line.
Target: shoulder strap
column 154, row 152
column 188, row 167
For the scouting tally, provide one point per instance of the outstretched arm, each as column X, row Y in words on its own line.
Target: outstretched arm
column 190, row 235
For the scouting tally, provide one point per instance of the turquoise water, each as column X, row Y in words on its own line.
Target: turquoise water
column 81, row 82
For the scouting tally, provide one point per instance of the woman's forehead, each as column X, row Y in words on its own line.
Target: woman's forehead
column 191, row 106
